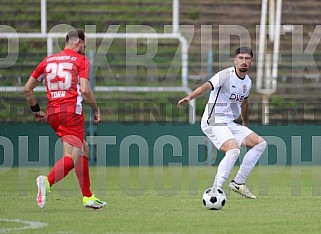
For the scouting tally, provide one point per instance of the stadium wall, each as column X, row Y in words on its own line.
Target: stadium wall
column 154, row 144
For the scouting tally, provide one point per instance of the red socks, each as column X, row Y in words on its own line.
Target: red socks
column 60, row 170
column 82, row 172
column 66, row 164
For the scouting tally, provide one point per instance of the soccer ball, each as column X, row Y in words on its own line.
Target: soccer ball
column 214, row 200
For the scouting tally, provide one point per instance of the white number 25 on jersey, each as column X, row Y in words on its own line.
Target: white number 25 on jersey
column 63, row 70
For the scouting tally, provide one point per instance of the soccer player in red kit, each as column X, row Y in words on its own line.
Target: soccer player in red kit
column 67, row 80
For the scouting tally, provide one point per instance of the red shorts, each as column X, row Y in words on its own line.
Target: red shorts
column 69, row 127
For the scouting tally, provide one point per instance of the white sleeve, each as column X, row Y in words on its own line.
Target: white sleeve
column 218, row 79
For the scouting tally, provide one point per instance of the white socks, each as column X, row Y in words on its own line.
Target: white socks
column 249, row 161
column 225, row 167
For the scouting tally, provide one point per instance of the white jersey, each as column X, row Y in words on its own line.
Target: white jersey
column 228, row 92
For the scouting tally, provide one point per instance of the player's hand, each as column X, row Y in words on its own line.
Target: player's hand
column 97, row 118
column 182, row 102
column 40, row 116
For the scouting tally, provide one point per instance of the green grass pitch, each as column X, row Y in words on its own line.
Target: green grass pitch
column 163, row 200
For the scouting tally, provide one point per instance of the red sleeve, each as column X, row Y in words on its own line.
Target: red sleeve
column 40, row 69
column 84, row 69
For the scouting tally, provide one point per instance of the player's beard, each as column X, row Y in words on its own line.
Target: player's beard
column 243, row 69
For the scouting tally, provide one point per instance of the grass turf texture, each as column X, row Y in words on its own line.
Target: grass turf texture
column 165, row 200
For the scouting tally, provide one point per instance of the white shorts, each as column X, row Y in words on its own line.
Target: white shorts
column 220, row 134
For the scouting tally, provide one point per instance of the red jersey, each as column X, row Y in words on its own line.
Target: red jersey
column 62, row 72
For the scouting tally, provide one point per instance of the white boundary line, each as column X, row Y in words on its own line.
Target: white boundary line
column 29, row 225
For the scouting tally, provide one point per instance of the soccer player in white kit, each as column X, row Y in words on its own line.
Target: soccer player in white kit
column 228, row 100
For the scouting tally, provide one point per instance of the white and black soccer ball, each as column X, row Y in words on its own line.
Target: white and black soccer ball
column 214, row 200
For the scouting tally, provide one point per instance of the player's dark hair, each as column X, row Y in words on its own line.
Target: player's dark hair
column 244, row 50
column 75, row 34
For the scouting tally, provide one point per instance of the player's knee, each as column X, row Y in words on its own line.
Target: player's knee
column 261, row 146
column 229, row 145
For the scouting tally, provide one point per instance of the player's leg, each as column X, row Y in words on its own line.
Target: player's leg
column 66, row 126
column 257, row 145
column 60, row 170
column 64, row 165
column 62, row 124
column 223, row 139
column 82, row 172
column 232, row 152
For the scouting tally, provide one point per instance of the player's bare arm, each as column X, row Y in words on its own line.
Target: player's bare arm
column 196, row 93
column 31, row 99
column 89, row 97
column 244, row 112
